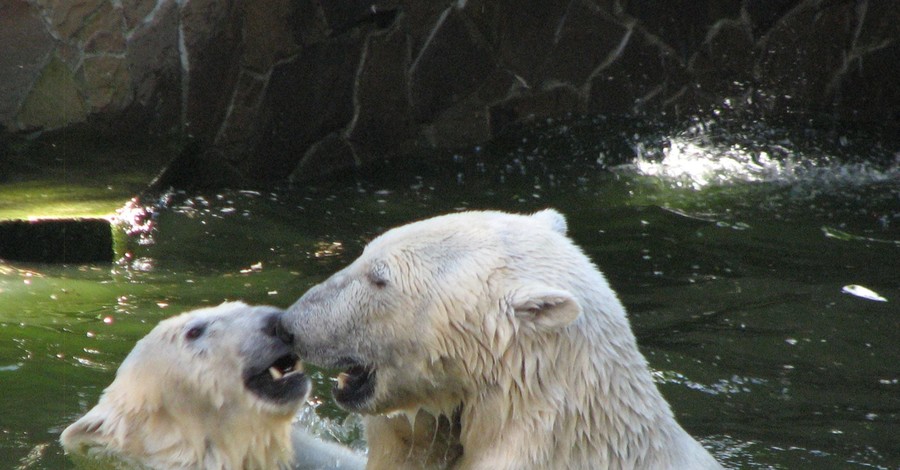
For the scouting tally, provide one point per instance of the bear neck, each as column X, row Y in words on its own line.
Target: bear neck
column 598, row 403
column 254, row 443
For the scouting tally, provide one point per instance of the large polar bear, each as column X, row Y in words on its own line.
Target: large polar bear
column 501, row 324
column 215, row 388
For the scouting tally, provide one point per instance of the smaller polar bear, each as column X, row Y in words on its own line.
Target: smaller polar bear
column 214, row 388
column 502, row 328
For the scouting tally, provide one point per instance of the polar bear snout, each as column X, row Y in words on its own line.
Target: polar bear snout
column 273, row 371
column 317, row 341
column 276, row 327
column 319, row 328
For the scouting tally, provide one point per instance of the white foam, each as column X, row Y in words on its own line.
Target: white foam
column 694, row 162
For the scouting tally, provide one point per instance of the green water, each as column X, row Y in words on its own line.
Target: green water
column 732, row 269
column 71, row 176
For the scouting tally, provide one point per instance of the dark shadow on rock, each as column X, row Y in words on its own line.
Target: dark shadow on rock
column 196, row 168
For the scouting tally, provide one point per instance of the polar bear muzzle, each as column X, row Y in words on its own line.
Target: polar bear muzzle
column 272, row 371
column 280, row 380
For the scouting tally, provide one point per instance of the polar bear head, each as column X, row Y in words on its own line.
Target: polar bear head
column 500, row 323
column 212, row 388
column 425, row 316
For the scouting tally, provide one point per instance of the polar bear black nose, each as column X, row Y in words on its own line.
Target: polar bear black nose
column 272, row 327
column 277, row 329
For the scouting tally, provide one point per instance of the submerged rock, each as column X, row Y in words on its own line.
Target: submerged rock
column 87, row 240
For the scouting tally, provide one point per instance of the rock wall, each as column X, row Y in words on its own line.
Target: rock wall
column 297, row 88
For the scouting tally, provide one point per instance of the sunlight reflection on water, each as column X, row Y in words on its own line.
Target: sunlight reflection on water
column 696, row 165
column 709, row 154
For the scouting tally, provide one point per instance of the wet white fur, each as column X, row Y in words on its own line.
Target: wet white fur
column 503, row 317
column 179, row 404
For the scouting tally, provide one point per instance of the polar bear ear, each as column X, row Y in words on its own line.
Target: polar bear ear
column 553, row 219
column 544, row 307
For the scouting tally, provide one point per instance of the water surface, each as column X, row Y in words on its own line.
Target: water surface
column 759, row 267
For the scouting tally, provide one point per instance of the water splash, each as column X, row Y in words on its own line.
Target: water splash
column 709, row 155
column 348, row 431
column 138, row 218
column 694, row 165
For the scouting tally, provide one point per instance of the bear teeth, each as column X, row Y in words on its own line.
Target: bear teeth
column 297, row 369
column 342, row 379
column 276, row 374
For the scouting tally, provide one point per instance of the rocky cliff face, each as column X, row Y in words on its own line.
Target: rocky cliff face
column 296, row 88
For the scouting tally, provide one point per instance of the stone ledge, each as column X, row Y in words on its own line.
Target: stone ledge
column 81, row 240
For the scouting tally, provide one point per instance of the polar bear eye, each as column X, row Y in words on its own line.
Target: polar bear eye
column 377, row 280
column 378, row 275
column 195, row 332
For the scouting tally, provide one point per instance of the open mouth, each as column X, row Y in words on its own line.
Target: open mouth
column 354, row 386
column 282, row 381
